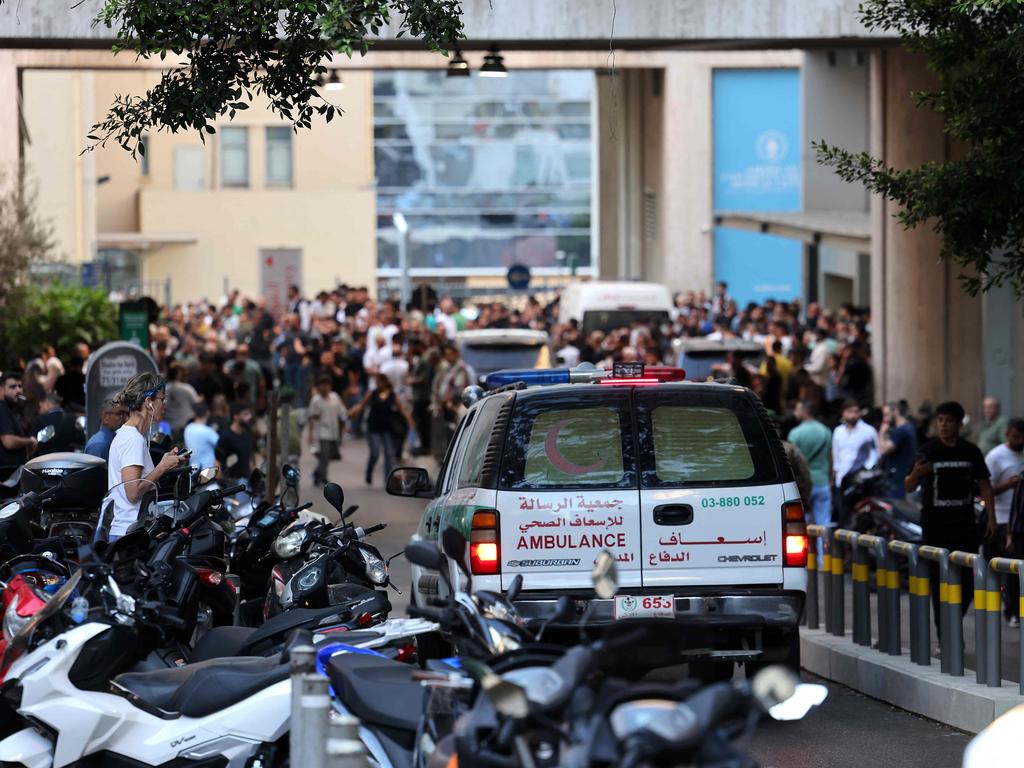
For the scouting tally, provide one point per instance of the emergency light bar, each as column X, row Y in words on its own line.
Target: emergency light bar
column 623, row 375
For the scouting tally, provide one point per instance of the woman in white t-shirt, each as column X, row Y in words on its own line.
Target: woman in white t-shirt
column 129, row 452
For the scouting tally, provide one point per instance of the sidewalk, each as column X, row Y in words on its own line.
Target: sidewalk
column 1010, row 637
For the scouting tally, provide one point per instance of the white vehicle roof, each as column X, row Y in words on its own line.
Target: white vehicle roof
column 497, row 336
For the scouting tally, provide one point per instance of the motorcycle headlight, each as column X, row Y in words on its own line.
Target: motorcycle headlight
column 9, row 510
column 376, row 569
column 289, row 544
column 13, row 623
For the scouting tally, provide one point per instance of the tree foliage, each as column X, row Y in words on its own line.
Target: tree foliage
column 976, row 199
column 238, row 48
column 59, row 313
column 25, row 238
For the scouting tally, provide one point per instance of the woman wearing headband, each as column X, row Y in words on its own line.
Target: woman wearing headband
column 129, row 458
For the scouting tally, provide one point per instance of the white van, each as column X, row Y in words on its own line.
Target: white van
column 604, row 306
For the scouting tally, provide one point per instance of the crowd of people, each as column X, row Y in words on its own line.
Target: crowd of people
column 350, row 365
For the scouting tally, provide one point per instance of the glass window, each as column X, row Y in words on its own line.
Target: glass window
column 472, row 462
column 234, row 157
column 487, row 171
column 189, row 169
column 691, row 438
column 570, row 442
column 279, row 156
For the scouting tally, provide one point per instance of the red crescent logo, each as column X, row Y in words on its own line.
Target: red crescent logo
column 559, row 461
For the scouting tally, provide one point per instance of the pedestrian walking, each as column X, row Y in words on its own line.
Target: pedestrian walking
column 112, row 418
column 898, row 445
column 814, row 441
column 993, row 427
column 327, row 416
column 854, row 447
column 947, row 470
column 1005, row 463
column 384, row 415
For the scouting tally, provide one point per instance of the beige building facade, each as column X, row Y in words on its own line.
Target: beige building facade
column 191, row 218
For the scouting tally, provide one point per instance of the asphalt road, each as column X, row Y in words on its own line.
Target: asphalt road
column 848, row 731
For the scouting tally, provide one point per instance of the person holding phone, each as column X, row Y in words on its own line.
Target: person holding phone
column 130, row 468
column 947, row 470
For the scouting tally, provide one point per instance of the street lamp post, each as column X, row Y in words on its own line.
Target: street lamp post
column 404, row 284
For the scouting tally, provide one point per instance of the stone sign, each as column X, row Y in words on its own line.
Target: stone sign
column 109, row 369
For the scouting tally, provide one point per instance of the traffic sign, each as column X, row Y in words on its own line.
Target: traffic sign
column 518, row 276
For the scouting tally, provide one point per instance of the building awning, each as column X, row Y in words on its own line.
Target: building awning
column 842, row 229
column 141, row 241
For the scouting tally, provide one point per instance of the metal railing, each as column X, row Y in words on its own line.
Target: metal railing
column 926, row 567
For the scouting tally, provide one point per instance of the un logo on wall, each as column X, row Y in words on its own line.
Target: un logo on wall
column 772, row 146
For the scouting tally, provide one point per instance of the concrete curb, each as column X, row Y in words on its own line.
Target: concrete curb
column 956, row 701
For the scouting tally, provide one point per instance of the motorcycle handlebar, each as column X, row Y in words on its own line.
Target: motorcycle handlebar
column 231, row 491
column 374, row 528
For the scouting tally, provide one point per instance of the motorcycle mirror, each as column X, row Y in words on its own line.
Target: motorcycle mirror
column 335, row 497
column 80, row 424
column 454, row 544
column 783, row 696
column 605, row 575
column 424, row 554
column 207, row 475
column 565, row 609
column 506, row 697
column 394, row 556
column 291, row 475
column 46, row 434
column 255, row 481
column 514, row 588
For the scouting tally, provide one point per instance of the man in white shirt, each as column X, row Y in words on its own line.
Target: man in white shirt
column 854, row 446
column 1005, row 463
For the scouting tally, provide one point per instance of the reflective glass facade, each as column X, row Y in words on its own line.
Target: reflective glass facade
column 488, row 172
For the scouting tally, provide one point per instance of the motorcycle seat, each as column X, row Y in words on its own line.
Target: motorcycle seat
column 907, row 510
column 198, row 690
column 378, row 691
column 247, row 641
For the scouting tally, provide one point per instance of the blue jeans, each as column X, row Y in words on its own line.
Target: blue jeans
column 380, row 442
column 820, row 512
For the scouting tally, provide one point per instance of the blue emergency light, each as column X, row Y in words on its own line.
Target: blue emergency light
column 531, row 377
column 631, row 374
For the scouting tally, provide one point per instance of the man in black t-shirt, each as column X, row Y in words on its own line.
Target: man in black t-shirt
column 14, row 445
column 235, row 444
column 948, row 470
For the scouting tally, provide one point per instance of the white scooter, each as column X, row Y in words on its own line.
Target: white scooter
column 231, row 712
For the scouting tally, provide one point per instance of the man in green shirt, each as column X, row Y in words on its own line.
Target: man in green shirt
column 814, row 440
column 993, row 428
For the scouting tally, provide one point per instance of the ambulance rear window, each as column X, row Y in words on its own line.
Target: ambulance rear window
column 577, row 442
column 696, row 438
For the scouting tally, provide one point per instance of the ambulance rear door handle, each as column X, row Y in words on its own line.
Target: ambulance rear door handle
column 673, row 514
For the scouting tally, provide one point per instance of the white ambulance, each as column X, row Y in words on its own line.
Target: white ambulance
column 686, row 484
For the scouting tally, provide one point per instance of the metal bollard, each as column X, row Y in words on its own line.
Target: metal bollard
column 302, row 661
column 920, row 608
column 344, row 748
column 886, row 578
column 838, row 588
column 316, row 704
column 993, row 629
column 826, row 579
column 811, row 611
column 1020, row 631
column 940, row 556
column 980, row 569
column 861, row 594
column 1013, row 568
column 954, row 629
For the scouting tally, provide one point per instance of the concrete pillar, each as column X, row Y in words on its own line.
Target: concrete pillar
column 10, row 114
column 927, row 332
